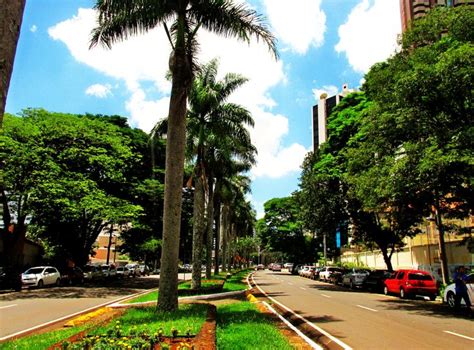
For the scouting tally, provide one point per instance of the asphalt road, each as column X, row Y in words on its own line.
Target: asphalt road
column 29, row 308
column 369, row 321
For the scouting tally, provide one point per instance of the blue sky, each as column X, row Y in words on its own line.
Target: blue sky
column 322, row 43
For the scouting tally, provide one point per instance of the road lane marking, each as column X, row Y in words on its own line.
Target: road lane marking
column 7, row 306
column 301, row 334
column 459, row 335
column 367, row 308
column 320, row 330
column 326, row 296
column 302, row 288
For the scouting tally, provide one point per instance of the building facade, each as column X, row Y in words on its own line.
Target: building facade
column 411, row 10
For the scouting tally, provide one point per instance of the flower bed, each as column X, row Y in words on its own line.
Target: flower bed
column 118, row 338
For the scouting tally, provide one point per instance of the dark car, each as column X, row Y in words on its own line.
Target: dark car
column 72, row 275
column 375, row 281
column 336, row 277
column 10, row 279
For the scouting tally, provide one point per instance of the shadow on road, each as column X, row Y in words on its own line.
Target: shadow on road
column 99, row 289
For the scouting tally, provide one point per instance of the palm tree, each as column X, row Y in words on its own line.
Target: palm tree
column 119, row 19
column 210, row 120
column 10, row 25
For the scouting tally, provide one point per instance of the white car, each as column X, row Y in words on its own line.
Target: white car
column 328, row 271
column 41, row 276
column 449, row 296
column 123, row 271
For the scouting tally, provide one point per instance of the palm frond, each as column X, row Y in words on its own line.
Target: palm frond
column 119, row 19
column 223, row 17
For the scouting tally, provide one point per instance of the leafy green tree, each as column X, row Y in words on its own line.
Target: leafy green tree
column 63, row 171
column 281, row 230
column 118, row 20
column 424, row 128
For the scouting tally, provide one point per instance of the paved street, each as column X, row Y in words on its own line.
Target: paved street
column 369, row 321
column 32, row 307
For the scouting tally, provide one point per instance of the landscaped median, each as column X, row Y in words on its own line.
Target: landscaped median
column 228, row 323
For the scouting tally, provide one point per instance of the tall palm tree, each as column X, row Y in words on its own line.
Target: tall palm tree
column 10, row 25
column 119, row 19
column 211, row 119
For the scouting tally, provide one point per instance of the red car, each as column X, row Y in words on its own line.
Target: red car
column 408, row 283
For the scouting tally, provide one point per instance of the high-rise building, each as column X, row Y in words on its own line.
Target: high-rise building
column 321, row 112
column 413, row 9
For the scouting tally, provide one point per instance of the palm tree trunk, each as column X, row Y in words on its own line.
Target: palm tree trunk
column 10, row 25
column 198, row 229
column 217, row 215
column 224, row 229
column 175, row 147
column 210, row 227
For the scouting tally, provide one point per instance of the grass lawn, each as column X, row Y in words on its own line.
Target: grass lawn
column 41, row 341
column 241, row 326
column 234, row 283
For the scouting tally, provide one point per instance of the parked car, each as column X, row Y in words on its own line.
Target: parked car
column 327, row 271
column 145, row 271
column 449, row 295
column 308, row 272
column 354, row 277
column 40, row 276
column 259, row 267
column 109, row 271
column 72, row 275
column 10, row 279
column 336, row 277
column 276, row 267
column 288, row 266
column 92, row 272
column 408, row 283
column 303, row 270
column 134, row 269
column 375, row 281
column 123, row 272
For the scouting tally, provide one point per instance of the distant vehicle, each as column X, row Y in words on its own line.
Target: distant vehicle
column 10, row 279
column 336, row 277
column 145, row 271
column 375, row 281
column 109, row 271
column 123, row 272
column 328, row 271
column 354, row 277
column 308, row 272
column 92, row 272
column 72, row 275
column 41, row 276
column 134, row 269
column 407, row 283
column 449, row 295
column 276, row 267
column 288, row 266
column 260, row 267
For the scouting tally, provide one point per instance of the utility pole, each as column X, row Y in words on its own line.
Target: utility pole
column 325, row 249
column 111, row 231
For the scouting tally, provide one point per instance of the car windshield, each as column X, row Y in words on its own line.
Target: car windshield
column 34, row 270
column 419, row 277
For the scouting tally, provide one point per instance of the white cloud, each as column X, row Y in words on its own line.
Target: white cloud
column 99, row 90
column 145, row 58
column 287, row 18
column 331, row 90
column 33, row 28
column 370, row 33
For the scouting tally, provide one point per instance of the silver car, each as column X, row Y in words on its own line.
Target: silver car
column 449, row 295
column 41, row 276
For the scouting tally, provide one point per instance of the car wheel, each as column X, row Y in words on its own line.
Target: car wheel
column 351, row 284
column 40, row 284
column 402, row 293
column 385, row 290
column 451, row 300
column 58, row 282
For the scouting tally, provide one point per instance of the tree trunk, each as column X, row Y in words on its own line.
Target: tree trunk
column 441, row 244
column 10, row 25
column 210, row 227
column 224, row 229
column 174, row 169
column 386, row 257
column 217, row 215
column 198, row 229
